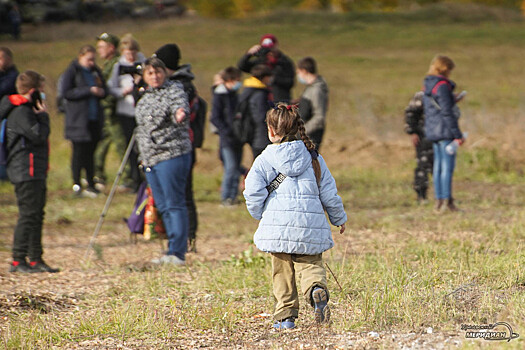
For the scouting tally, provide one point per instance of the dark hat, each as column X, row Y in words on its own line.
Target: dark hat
column 170, row 55
column 109, row 38
column 268, row 41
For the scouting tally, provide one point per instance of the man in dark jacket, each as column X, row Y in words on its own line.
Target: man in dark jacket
column 170, row 55
column 8, row 74
column 256, row 90
column 27, row 164
column 281, row 67
column 414, row 125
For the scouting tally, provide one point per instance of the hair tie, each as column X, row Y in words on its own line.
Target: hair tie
column 288, row 107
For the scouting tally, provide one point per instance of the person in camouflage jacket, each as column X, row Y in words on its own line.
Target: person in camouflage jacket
column 414, row 126
column 107, row 45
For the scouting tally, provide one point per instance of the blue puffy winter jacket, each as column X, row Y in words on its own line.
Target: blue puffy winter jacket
column 439, row 102
column 292, row 217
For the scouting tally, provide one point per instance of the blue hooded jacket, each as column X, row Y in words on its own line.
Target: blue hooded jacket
column 292, row 217
column 439, row 102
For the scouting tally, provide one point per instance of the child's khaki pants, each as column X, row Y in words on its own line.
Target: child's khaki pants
column 311, row 272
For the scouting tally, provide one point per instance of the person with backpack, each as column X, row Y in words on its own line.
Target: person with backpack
column 27, row 164
column 163, row 139
column 288, row 189
column 222, row 115
column 83, row 87
column 257, row 96
column 442, row 127
column 170, row 55
column 281, row 66
column 314, row 100
column 414, row 126
column 8, row 74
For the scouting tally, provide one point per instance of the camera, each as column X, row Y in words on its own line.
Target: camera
column 136, row 68
column 263, row 51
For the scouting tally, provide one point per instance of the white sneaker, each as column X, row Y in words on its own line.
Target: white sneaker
column 168, row 260
column 89, row 193
column 100, row 186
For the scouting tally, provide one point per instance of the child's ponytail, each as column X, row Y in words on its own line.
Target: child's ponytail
column 311, row 147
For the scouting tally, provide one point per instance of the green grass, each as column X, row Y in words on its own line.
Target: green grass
column 400, row 268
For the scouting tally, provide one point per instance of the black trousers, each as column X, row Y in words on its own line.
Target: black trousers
column 128, row 126
column 31, row 200
column 83, row 156
column 190, row 202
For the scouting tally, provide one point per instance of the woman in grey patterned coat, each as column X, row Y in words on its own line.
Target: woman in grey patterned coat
column 162, row 116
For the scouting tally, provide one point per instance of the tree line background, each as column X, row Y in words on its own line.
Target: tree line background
column 243, row 8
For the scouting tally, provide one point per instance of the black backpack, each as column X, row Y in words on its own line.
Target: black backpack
column 242, row 124
column 198, row 110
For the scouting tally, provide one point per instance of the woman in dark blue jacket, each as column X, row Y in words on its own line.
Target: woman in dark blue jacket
column 441, row 127
column 83, row 87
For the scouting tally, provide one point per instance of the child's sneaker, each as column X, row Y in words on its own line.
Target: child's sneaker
column 41, row 266
column 321, row 308
column 287, row 323
column 20, row 266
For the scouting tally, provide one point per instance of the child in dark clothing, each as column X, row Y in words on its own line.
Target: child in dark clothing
column 27, row 164
column 223, row 111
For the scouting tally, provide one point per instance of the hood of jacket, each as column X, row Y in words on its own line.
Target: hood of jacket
column 124, row 62
column 289, row 158
column 430, row 82
column 183, row 72
column 221, row 89
column 8, row 103
column 253, row 82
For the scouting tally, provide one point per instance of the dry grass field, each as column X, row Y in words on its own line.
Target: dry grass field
column 402, row 276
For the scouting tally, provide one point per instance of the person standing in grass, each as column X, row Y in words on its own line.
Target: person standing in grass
column 223, row 111
column 288, row 189
column 163, row 138
column 83, row 87
column 259, row 99
column 121, row 84
column 314, row 100
column 27, row 164
column 441, row 127
column 107, row 45
column 414, row 126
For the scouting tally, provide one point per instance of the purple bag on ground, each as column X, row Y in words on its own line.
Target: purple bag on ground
column 135, row 221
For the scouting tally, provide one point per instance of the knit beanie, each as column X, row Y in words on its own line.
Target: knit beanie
column 170, row 55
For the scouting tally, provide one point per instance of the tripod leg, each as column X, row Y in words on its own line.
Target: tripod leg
column 110, row 196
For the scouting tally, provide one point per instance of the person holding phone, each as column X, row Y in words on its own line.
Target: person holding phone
column 27, row 164
column 442, row 127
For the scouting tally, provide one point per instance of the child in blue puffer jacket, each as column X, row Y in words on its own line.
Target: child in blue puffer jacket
column 288, row 189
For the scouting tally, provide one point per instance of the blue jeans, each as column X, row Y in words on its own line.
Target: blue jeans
column 168, row 185
column 444, row 164
column 231, row 159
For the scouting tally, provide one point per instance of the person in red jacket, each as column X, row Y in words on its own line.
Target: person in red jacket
column 27, row 165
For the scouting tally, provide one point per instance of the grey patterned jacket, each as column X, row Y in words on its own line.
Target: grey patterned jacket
column 158, row 135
